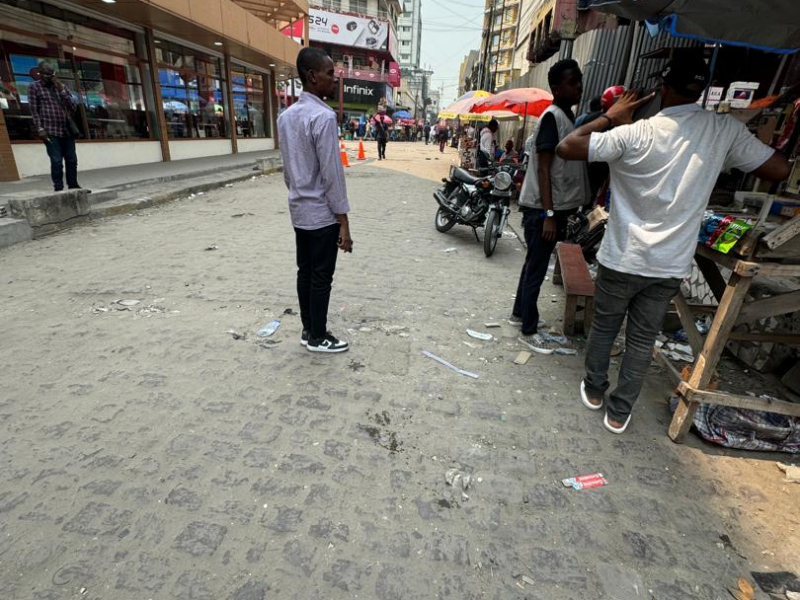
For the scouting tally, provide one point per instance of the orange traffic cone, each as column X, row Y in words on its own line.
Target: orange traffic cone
column 361, row 155
column 343, row 155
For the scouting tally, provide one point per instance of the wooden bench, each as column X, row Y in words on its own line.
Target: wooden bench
column 578, row 284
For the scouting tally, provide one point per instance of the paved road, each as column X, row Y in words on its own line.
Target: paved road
column 146, row 453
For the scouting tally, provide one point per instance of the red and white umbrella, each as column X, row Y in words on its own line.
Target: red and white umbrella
column 526, row 102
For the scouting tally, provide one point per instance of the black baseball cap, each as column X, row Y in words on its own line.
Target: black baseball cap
column 687, row 75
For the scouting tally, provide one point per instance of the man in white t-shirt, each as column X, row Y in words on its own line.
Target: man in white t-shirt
column 663, row 171
column 487, row 144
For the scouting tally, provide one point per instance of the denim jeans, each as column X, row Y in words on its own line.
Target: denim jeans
column 61, row 150
column 535, row 268
column 381, row 147
column 645, row 301
column 317, row 250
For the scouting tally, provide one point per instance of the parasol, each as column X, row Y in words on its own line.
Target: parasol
column 382, row 118
column 526, row 102
column 403, row 114
column 773, row 26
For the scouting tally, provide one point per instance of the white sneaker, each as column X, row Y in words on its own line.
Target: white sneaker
column 517, row 322
column 537, row 343
column 329, row 345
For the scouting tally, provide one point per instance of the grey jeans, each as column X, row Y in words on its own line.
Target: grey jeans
column 645, row 301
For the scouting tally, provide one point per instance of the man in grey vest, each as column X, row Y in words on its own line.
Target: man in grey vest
column 553, row 190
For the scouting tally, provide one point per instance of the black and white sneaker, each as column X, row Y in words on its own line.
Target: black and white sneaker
column 304, row 338
column 330, row 345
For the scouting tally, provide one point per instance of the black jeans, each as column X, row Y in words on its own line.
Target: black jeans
column 535, row 268
column 61, row 150
column 645, row 301
column 381, row 147
column 317, row 250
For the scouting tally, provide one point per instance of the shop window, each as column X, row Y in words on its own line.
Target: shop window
column 249, row 103
column 97, row 62
column 192, row 92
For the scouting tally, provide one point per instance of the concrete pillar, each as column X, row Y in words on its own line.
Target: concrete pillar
column 8, row 165
column 229, row 102
column 161, row 119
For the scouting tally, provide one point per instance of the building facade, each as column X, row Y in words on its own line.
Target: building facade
column 410, row 34
column 361, row 37
column 154, row 80
column 500, row 29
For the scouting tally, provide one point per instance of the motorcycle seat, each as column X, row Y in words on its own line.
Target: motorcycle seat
column 464, row 176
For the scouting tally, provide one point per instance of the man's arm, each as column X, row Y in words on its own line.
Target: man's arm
column 576, row 145
column 34, row 99
column 332, row 175
column 775, row 169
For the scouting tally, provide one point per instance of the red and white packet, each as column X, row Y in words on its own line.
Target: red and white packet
column 585, row 482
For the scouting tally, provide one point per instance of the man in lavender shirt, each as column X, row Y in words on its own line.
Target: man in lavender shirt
column 318, row 204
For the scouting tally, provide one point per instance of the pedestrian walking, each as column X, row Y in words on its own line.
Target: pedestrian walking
column 663, row 171
column 427, row 133
column 552, row 191
column 441, row 136
column 52, row 107
column 317, row 195
column 381, row 136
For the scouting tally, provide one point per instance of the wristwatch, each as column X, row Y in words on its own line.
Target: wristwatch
column 549, row 213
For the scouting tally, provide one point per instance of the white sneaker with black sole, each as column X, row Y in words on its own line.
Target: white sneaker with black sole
column 304, row 338
column 329, row 345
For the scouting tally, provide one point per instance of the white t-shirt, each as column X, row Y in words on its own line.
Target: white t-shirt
column 663, row 171
column 487, row 141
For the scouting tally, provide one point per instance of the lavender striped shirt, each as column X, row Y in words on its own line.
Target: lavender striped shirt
column 311, row 167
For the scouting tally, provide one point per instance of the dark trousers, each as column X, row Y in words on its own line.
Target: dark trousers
column 382, row 147
column 535, row 268
column 317, row 250
column 61, row 150
column 645, row 301
column 442, row 144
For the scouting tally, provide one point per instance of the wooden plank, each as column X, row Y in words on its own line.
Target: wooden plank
column 574, row 271
column 751, row 269
column 781, row 407
column 782, row 234
column 557, row 278
column 769, row 307
column 687, row 320
column 706, row 362
column 570, row 310
column 789, row 251
column 760, row 336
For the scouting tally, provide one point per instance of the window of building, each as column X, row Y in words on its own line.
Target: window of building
column 192, row 92
column 358, row 6
column 250, row 108
column 97, row 62
column 333, row 4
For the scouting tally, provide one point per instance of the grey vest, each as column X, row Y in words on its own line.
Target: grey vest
column 569, row 180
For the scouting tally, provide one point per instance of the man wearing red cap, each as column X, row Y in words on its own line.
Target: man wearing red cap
column 663, row 170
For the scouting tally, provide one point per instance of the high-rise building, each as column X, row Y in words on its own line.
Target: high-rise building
column 500, row 23
column 410, row 34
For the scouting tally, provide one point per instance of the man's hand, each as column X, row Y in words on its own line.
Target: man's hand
column 622, row 111
column 549, row 229
column 42, row 134
column 345, row 241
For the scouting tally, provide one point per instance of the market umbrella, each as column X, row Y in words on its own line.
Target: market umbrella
column 474, row 94
column 382, row 118
column 527, row 102
column 460, row 109
column 773, row 26
column 403, row 114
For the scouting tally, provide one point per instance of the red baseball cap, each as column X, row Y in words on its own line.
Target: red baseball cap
column 611, row 95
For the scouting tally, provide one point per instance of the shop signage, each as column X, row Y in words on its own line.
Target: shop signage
column 394, row 74
column 348, row 30
column 363, row 92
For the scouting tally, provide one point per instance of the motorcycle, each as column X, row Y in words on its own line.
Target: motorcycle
column 475, row 202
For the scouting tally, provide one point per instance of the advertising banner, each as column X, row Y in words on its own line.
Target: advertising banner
column 394, row 74
column 363, row 92
column 348, row 30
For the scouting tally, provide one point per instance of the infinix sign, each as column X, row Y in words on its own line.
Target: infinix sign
column 363, row 92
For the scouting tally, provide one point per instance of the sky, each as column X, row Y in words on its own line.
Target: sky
column 450, row 29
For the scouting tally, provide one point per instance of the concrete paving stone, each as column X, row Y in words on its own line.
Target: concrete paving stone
column 164, row 459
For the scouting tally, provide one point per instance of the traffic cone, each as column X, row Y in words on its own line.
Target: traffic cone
column 343, row 155
column 361, row 155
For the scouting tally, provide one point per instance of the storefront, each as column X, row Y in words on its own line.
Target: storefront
column 143, row 95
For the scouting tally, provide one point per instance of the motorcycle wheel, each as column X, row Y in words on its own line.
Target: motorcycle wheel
column 490, row 234
column 444, row 222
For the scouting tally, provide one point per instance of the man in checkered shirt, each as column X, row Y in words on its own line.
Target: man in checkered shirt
column 51, row 105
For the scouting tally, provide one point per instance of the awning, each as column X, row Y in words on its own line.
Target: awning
column 773, row 26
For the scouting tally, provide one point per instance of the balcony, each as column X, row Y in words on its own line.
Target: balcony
column 543, row 49
column 361, row 73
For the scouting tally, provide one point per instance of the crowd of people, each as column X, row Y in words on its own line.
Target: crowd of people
column 660, row 170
